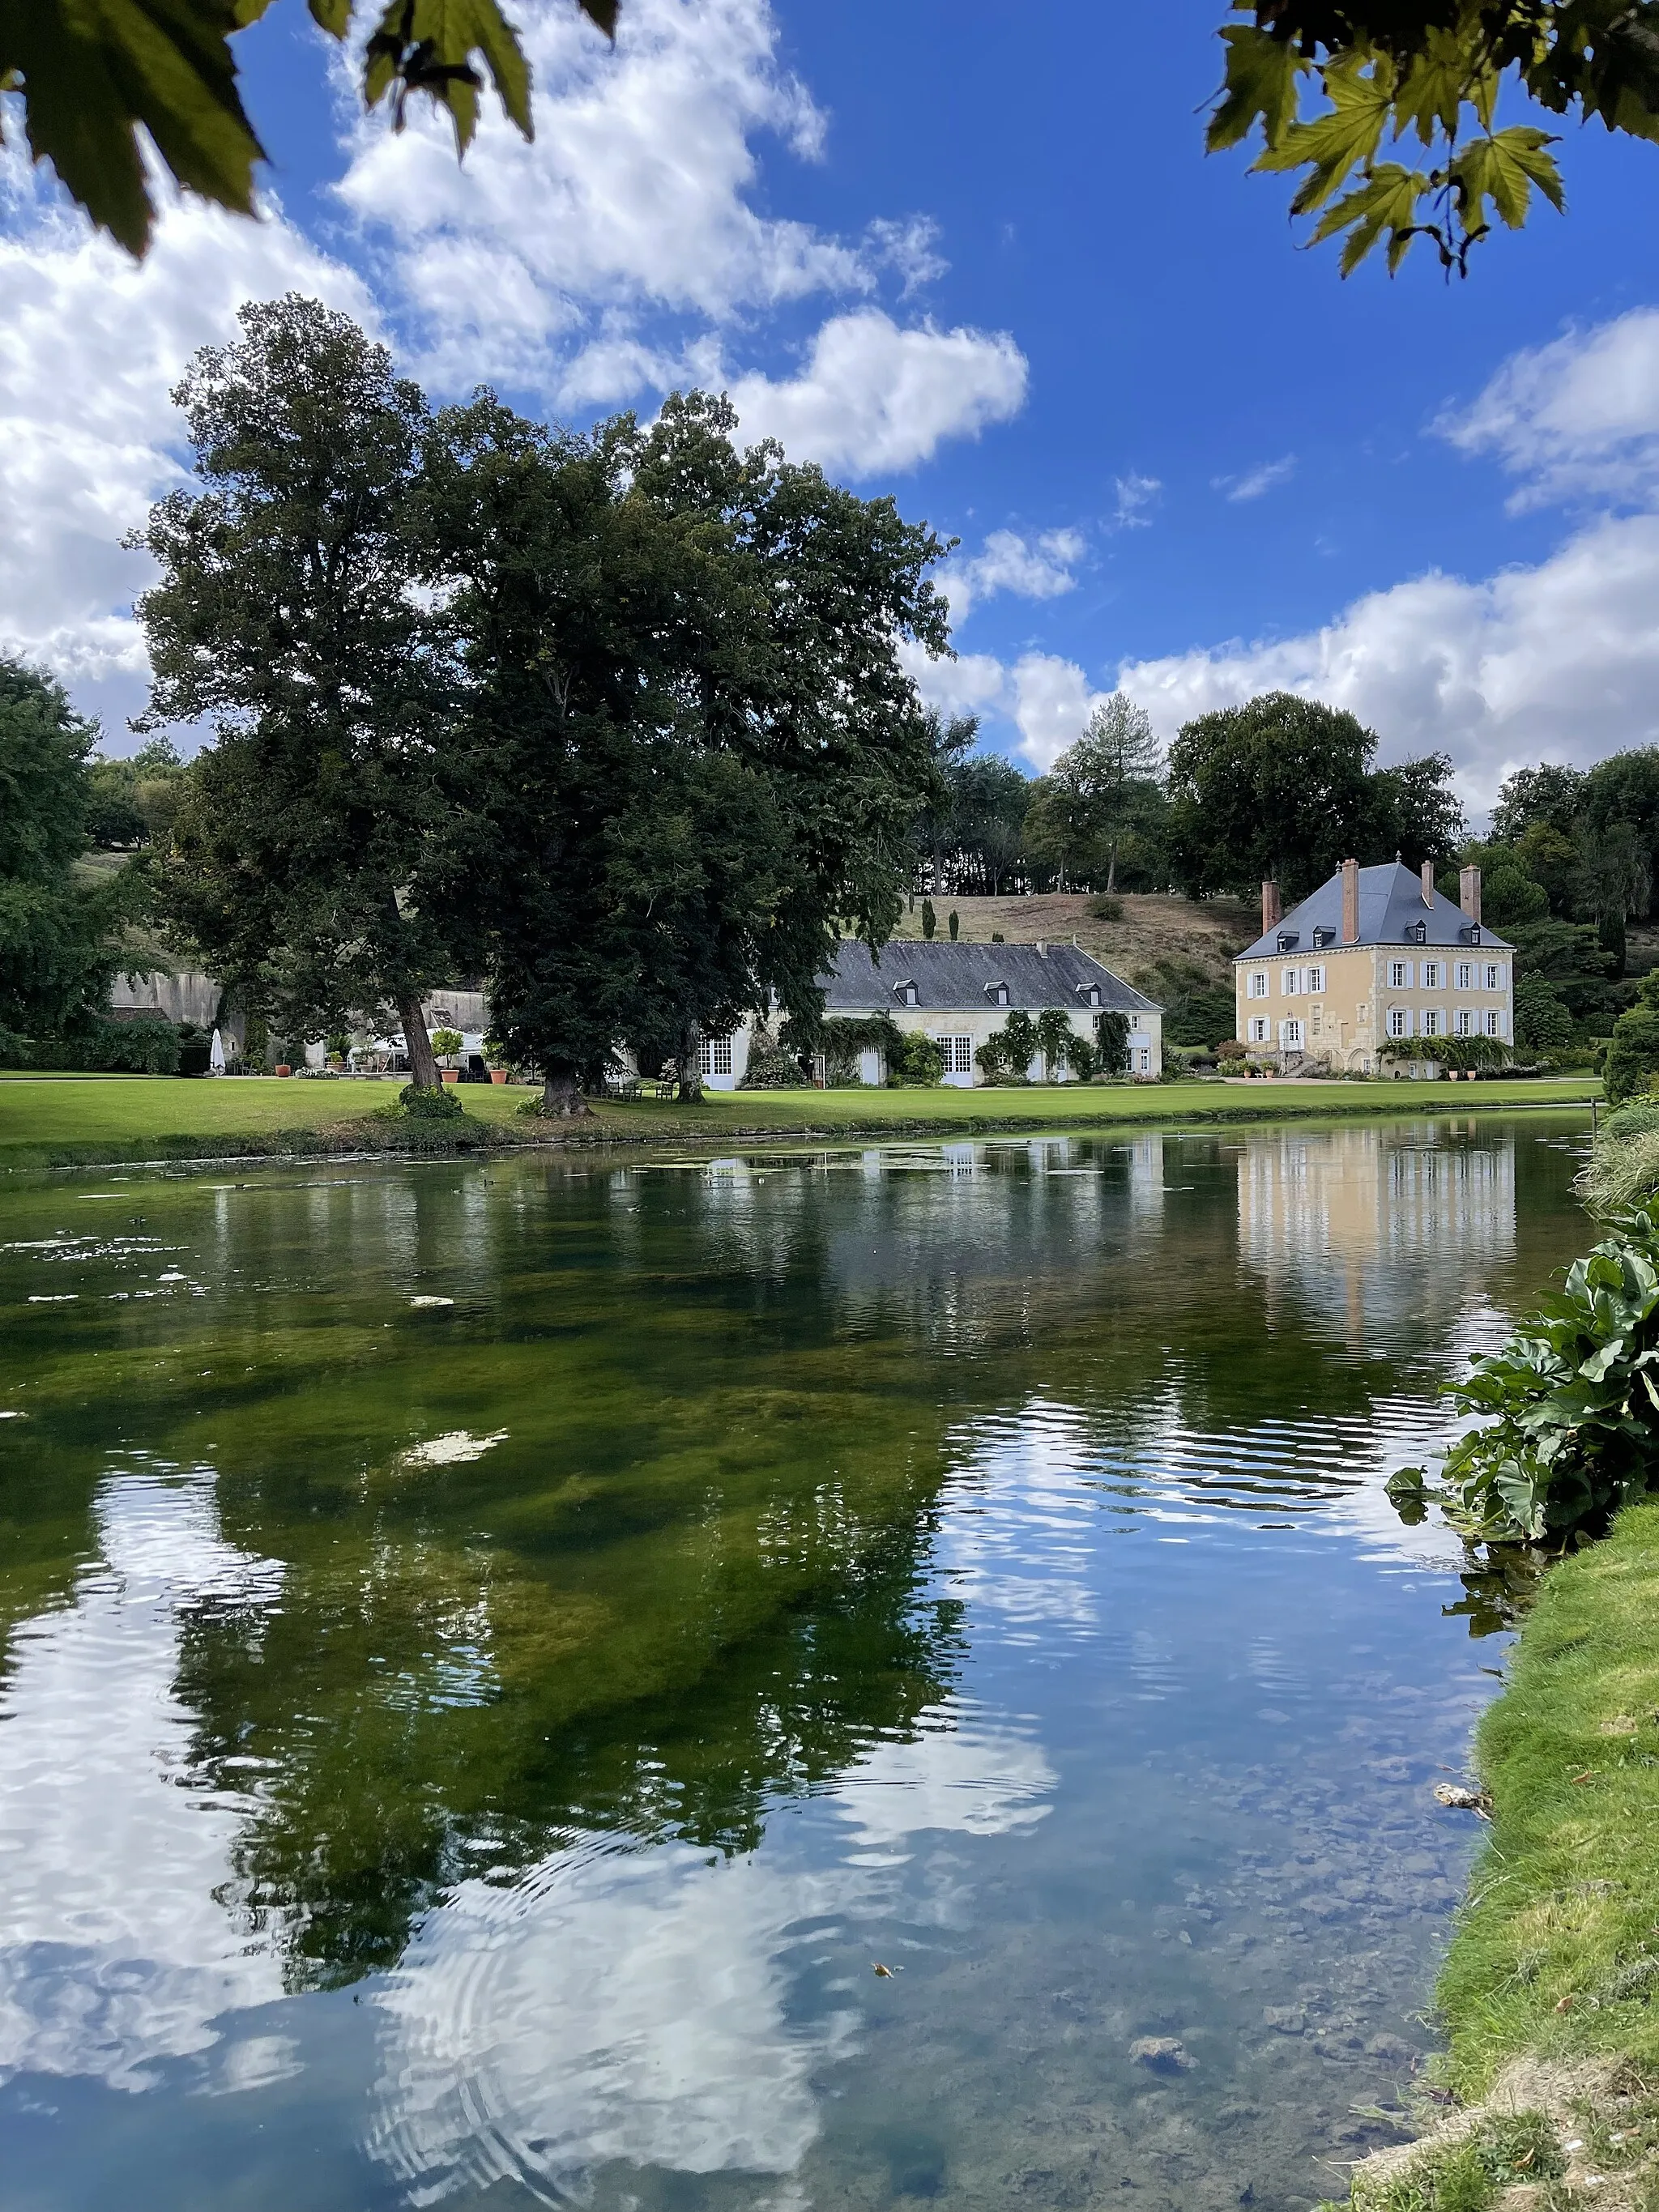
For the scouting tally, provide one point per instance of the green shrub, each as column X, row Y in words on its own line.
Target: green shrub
column 929, row 919
column 1006, row 1054
column 769, row 1066
column 954, row 925
column 429, row 1105
column 1542, row 1023
column 1112, row 1042
column 149, row 1046
column 1568, row 1408
column 1639, row 1119
column 1105, row 907
column 1632, row 1060
column 914, row 1062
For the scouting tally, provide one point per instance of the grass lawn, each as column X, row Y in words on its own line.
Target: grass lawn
column 63, row 1121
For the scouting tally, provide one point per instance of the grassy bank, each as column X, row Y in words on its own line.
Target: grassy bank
column 71, row 1120
column 1556, row 1955
column 1550, row 1993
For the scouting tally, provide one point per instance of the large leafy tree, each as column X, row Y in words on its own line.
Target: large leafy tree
column 1111, row 777
column 706, row 753
column 1284, row 788
column 313, row 857
column 56, row 957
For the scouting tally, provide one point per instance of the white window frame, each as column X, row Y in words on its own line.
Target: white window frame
column 1399, row 1021
column 1315, row 981
column 1467, row 1025
column 1432, row 1021
column 1494, row 978
column 1289, row 1034
column 1290, row 982
column 1433, row 979
column 1400, row 974
column 1258, row 1028
column 1494, row 1021
column 1259, row 983
column 717, row 1055
column 1466, row 974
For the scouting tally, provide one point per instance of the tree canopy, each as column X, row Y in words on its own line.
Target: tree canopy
column 1284, row 788
column 94, row 74
column 312, row 857
column 55, row 953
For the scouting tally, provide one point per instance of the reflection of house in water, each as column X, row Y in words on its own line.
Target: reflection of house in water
column 963, row 1241
column 1383, row 1225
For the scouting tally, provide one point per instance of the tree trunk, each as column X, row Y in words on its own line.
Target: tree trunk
column 1111, row 867
column 690, row 1064
column 561, row 1097
column 423, row 1068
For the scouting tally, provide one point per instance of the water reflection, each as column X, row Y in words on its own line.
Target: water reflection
column 971, row 1559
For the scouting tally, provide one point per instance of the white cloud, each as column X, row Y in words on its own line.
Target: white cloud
column 1134, row 495
column 1009, row 563
column 1052, row 701
column 873, row 397
column 1255, row 480
column 90, row 346
column 1559, row 661
column 1576, row 417
column 609, row 258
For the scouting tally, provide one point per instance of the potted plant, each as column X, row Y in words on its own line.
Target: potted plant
column 495, row 1059
column 445, row 1043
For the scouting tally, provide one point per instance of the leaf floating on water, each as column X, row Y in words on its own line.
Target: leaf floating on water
column 432, row 1302
column 887, row 1973
column 451, row 1449
column 61, row 1298
column 10, row 1413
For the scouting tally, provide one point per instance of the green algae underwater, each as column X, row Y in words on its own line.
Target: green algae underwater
column 492, row 1657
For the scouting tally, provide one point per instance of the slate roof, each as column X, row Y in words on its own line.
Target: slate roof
column 959, row 976
column 1390, row 903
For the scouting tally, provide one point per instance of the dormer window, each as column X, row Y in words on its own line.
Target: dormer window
column 1090, row 994
column 1469, row 935
column 907, row 994
column 1418, row 934
column 1322, row 936
column 1289, row 939
column 996, row 994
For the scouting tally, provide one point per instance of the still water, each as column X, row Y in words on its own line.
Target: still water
column 491, row 1659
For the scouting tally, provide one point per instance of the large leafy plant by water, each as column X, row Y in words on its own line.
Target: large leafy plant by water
column 1567, row 1409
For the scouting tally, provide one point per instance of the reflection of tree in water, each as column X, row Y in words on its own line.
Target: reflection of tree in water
column 427, row 1707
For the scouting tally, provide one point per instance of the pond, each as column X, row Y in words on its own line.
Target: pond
column 494, row 1659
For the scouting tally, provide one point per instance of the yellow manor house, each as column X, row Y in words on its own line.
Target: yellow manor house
column 1373, row 959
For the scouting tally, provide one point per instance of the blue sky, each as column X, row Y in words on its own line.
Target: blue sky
column 976, row 257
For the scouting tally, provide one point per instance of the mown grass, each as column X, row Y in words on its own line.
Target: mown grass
column 68, row 1121
column 1557, row 1952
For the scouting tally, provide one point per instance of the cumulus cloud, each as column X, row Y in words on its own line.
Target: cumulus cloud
column 873, row 397
column 1254, row 482
column 1052, row 701
column 1577, row 418
column 1039, row 569
column 614, row 256
column 90, row 346
column 1561, row 661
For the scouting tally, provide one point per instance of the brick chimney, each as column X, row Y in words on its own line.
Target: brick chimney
column 1272, row 912
column 1428, row 883
column 1468, row 892
column 1351, row 901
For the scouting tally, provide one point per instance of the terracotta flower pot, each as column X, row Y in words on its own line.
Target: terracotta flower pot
column 450, row 1074
column 284, row 1069
column 498, row 1075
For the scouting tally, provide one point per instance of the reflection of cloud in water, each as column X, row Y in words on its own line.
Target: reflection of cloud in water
column 638, row 2008
column 117, row 1946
